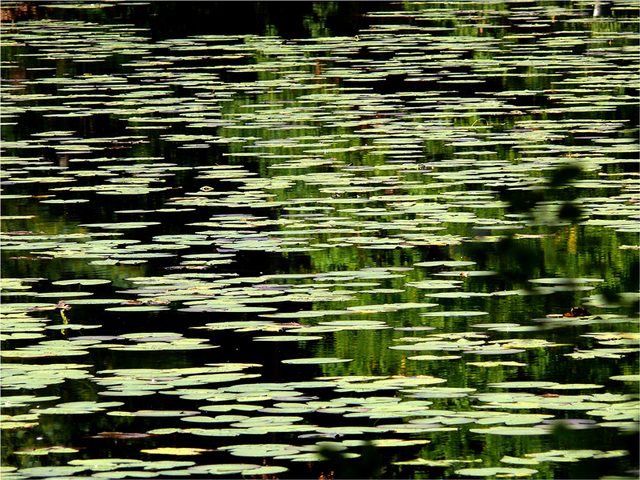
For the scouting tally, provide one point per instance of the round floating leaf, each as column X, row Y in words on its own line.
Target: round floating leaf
column 107, row 464
column 566, row 281
column 445, row 263
column 48, row 472
column 261, row 450
column 497, row 364
column 313, row 457
column 154, row 413
column 175, row 451
column 497, row 471
column 316, row 361
column 519, row 460
column 574, row 386
column 532, row 384
column 434, row 357
column 394, row 442
column 46, row 450
column 214, row 432
column 438, row 392
column 77, row 408
column 287, row 338
column 626, row 378
column 79, row 281
column 268, row 470
column 509, row 431
column 435, row 284
column 225, row 469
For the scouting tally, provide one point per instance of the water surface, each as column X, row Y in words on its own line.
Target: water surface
column 333, row 240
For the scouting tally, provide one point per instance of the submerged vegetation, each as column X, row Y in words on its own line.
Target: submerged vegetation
column 396, row 240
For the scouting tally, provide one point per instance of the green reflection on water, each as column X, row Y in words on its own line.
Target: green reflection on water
column 325, row 159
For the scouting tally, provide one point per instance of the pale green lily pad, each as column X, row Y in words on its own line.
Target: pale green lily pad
column 72, row 326
column 626, row 378
column 108, row 464
column 316, row 361
column 566, row 281
column 531, row 384
column 261, row 450
column 438, row 392
column 225, row 469
column 511, row 431
column 497, row 364
column 9, row 401
column 77, row 408
column 396, row 442
column 46, row 450
column 154, row 413
column 214, row 432
column 497, row 472
column 519, row 460
column 432, row 463
column 176, row 451
column 80, row 281
column 268, row 470
column 433, row 357
column 313, row 457
column 243, row 407
column 49, row 472
column 445, row 263
column 572, row 455
column 435, row 284
column 574, row 386
column 287, row 338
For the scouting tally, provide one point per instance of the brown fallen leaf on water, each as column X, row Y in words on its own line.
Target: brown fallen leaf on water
column 577, row 312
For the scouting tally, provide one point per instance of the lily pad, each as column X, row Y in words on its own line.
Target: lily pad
column 496, row 472
column 316, row 360
column 175, row 451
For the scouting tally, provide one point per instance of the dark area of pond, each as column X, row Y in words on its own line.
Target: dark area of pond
column 320, row 239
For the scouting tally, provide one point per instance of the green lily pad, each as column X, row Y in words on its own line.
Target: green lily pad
column 497, row 472
column 46, row 450
column 49, row 472
column 225, row 469
column 79, row 281
column 434, row 357
column 77, row 408
column 626, row 378
column 574, row 386
column 315, row 361
column 287, row 338
column 261, row 450
column 182, row 451
column 511, row 431
column 497, row 364
column 515, row 384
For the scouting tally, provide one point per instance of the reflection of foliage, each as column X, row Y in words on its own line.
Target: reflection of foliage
column 557, row 188
column 515, row 261
column 340, row 130
column 270, row 30
column 368, row 465
column 316, row 24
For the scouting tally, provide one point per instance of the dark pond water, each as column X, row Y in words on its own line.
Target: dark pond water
column 320, row 240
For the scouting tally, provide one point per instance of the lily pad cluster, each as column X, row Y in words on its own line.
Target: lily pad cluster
column 414, row 237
